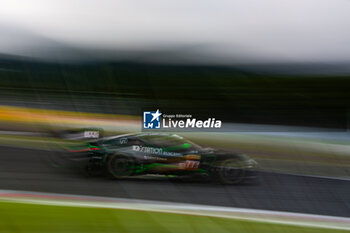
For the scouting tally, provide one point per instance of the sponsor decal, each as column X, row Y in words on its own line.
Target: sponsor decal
column 91, row 134
column 153, row 150
column 189, row 165
column 193, row 157
column 123, row 141
column 147, row 157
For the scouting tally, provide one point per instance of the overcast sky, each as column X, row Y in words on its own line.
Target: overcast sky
column 227, row 31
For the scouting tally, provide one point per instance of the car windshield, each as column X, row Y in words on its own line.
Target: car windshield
column 170, row 143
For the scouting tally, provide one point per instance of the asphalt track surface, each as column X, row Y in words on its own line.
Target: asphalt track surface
column 29, row 170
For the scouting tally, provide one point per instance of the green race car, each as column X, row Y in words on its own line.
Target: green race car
column 162, row 154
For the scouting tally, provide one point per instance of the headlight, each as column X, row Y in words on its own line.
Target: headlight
column 251, row 162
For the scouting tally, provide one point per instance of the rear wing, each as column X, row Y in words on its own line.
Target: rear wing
column 88, row 134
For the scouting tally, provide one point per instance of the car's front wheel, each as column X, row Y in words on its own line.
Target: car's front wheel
column 120, row 166
column 229, row 171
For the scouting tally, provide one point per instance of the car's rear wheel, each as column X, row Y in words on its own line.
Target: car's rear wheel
column 120, row 166
column 229, row 171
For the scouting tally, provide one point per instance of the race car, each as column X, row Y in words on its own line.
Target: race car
column 159, row 153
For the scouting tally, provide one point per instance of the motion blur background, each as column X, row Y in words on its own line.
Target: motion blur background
column 276, row 72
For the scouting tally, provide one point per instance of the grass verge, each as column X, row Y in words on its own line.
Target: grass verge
column 19, row 217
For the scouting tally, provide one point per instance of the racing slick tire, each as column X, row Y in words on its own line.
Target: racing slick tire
column 229, row 171
column 120, row 166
